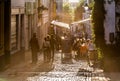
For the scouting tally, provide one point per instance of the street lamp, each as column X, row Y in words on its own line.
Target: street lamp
column 86, row 6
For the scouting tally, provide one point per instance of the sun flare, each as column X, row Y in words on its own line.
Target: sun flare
column 73, row 0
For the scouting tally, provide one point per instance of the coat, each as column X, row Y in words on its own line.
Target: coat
column 34, row 44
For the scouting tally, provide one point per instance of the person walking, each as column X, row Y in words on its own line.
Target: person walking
column 34, row 48
column 46, row 50
column 84, row 49
column 76, row 48
column 52, row 43
column 92, row 50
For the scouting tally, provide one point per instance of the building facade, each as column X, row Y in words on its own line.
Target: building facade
column 59, row 9
column 117, row 23
column 5, row 6
column 22, row 27
column 16, row 28
column 18, row 25
column 109, row 22
column 43, row 21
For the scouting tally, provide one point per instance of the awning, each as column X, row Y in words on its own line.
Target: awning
column 81, row 21
column 65, row 25
column 60, row 24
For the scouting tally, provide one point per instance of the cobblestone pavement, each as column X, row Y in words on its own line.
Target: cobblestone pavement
column 57, row 71
column 71, row 71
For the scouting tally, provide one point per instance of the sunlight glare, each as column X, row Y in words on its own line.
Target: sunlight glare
column 73, row 0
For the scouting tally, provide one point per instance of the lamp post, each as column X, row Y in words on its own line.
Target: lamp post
column 86, row 6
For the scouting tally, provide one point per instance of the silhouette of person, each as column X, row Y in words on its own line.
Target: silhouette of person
column 46, row 50
column 52, row 43
column 34, row 48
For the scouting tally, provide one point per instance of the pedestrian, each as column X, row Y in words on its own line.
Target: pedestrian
column 34, row 48
column 46, row 50
column 86, row 35
column 92, row 50
column 84, row 50
column 77, row 48
column 52, row 44
column 58, row 42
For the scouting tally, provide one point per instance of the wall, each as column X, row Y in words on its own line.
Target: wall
column 2, row 60
column 109, row 22
column 17, row 29
column 17, row 3
column 1, row 29
column 43, row 24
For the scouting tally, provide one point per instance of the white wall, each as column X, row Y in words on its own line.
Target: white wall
column 17, row 3
column 109, row 22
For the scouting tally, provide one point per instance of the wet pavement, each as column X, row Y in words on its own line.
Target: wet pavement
column 70, row 70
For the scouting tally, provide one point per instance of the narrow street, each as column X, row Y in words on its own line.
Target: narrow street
column 70, row 71
column 32, row 30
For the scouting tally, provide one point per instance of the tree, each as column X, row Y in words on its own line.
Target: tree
column 79, row 11
column 98, row 22
column 67, row 13
column 98, row 15
column 66, row 8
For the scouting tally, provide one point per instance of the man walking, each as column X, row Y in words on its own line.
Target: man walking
column 52, row 43
column 34, row 48
column 46, row 50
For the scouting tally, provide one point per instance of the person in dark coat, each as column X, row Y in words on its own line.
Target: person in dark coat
column 34, row 48
column 46, row 50
column 52, row 44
